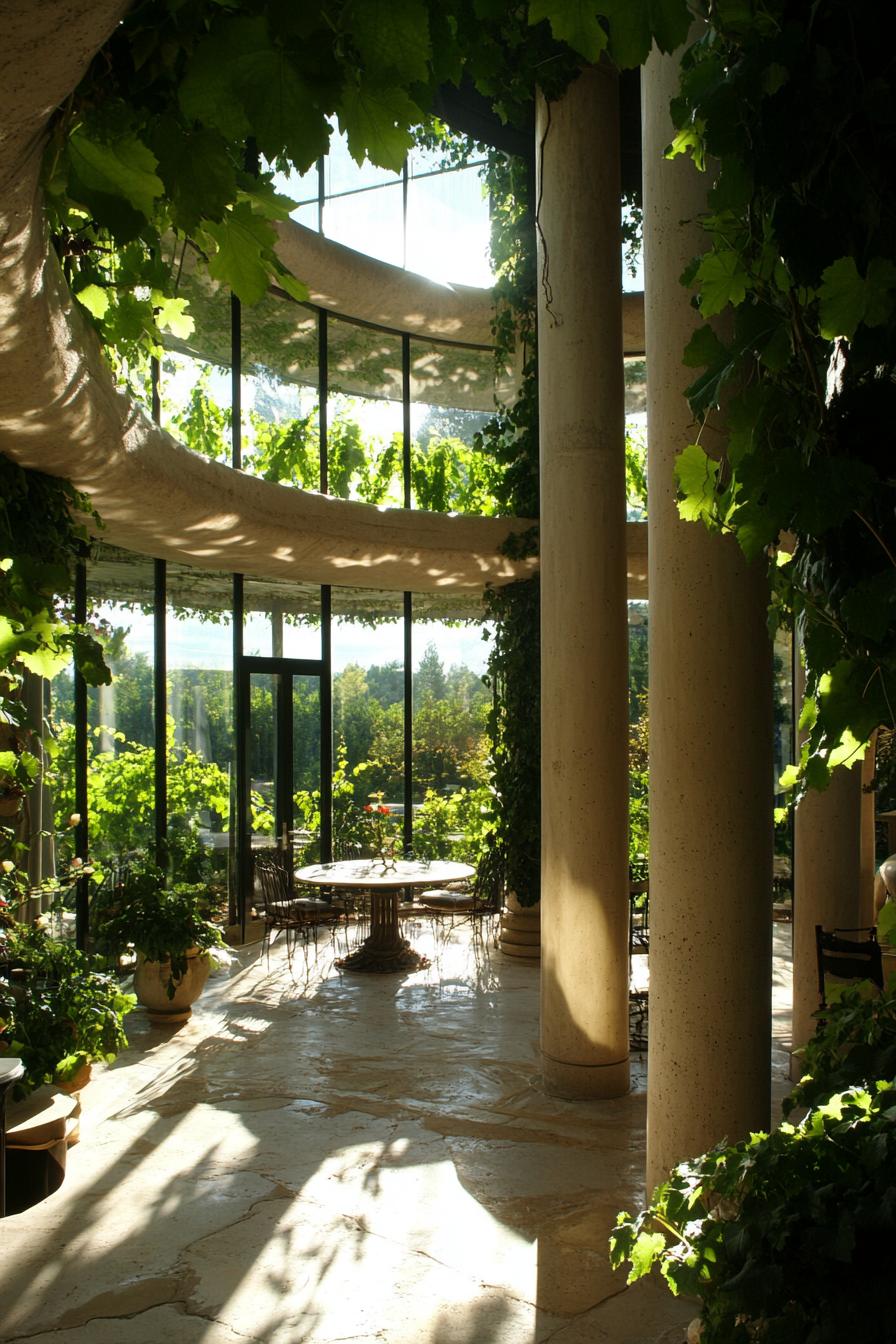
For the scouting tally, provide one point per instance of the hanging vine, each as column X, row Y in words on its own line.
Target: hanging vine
column 791, row 111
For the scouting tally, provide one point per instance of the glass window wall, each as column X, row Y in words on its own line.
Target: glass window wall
column 281, row 619
column 199, row 728
column 365, row 417
column 279, row 392
column 368, row 661
column 451, row 706
column 121, row 717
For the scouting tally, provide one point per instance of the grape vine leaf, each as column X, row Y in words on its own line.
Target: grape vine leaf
column 392, row 35
column 697, row 476
column 241, row 82
column 755, row 527
column 171, row 315
column 704, row 349
column 880, row 285
column 95, row 299
column 375, row 121
column 241, row 238
column 198, row 172
column 646, row 1248
column 869, row 607
column 634, row 24
column 123, row 168
column 294, row 287
column 723, row 280
column 574, row 22
column 841, row 299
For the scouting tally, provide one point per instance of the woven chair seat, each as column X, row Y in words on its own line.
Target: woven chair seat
column 440, row 898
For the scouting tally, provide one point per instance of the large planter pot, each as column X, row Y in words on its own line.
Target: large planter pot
column 151, row 987
column 520, row 933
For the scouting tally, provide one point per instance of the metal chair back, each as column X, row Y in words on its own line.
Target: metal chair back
column 847, row 958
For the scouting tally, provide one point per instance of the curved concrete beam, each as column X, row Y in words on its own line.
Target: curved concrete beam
column 60, row 411
column 346, row 282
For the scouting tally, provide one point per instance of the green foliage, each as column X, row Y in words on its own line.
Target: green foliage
column 624, row 28
column 792, row 113
column 149, row 155
column 511, row 858
column 456, row 826
column 162, row 922
column 121, row 790
column 854, row 1042
column 60, row 1010
column 37, row 629
column 349, row 828
column 447, row 474
column 784, row 1238
column 512, row 862
column 638, row 784
column 41, row 536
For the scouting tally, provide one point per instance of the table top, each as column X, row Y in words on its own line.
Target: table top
column 366, row 874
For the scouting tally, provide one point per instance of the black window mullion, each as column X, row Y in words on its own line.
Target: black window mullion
column 236, row 390
column 323, row 393
column 82, row 907
column 160, row 712
column 160, row 670
column 408, row 830
column 321, row 192
column 406, row 418
column 408, row 606
column 326, row 595
column 404, row 214
column 239, row 846
column 283, row 762
column 326, row 725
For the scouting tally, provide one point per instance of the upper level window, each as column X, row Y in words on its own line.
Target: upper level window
column 428, row 219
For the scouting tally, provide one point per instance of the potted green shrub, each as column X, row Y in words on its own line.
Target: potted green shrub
column 59, row 1011
column 168, row 927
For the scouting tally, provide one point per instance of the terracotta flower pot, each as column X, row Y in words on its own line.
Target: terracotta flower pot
column 151, row 987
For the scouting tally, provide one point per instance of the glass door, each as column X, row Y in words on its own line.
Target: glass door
column 281, row 803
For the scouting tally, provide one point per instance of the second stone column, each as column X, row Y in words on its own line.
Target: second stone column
column 584, row 694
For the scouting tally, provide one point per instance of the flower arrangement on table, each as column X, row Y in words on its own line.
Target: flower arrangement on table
column 382, row 836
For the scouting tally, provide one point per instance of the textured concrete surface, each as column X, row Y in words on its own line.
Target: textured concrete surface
column 319, row 1157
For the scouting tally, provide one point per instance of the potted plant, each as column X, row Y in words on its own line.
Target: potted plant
column 59, row 1011
column 168, row 927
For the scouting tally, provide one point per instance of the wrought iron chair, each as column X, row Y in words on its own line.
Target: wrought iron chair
column 459, row 903
column 638, row 945
column 846, row 959
column 279, row 906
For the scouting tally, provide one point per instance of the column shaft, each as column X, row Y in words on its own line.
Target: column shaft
column 584, row 701
column 710, row 732
column 826, row 885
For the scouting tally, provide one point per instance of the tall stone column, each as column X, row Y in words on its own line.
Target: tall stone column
column 584, row 700
column 711, row 770
column 827, row 886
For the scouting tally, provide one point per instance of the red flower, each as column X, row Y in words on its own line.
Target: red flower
column 384, row 811
column 368, row 807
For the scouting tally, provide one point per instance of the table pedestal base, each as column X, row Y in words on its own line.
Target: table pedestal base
column 384, row 950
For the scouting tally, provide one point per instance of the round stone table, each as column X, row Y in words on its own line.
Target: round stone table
column 384, row 949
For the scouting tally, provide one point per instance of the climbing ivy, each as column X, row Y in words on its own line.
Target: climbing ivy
column 790, row 110
column 172, row 138
column 42, row 532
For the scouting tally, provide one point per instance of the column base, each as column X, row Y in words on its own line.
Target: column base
column 520, row 934
column 581, row 1082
